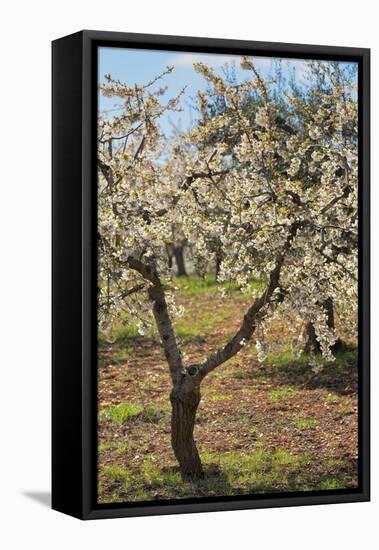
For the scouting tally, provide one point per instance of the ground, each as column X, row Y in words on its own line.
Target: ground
column 276, row 426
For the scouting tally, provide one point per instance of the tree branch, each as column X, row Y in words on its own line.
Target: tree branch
column 334, row 201
column 126, row 135
column 329, row 259
column 162, row 317
column 131, row 291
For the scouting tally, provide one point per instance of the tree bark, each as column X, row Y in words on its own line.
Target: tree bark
column 185, row 399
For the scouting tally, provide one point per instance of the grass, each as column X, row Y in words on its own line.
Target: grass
column 222, row 373
column 332, row 398
column 242, row 374
column 121, row 448
column 226, row 474
column 155, row 413
column 331, row 483
column 119, row 356
column 137, row 484
column 346, row 408
column 220, row 397
column 199, row 323
column 118, row 341
column 126, row 412
column 281, row 394
column 259, row 471
column 340, row 375
column 115, row 473
column 204, row 321
column 284, row 359
column 192, row 324
column 304, row 423
column 126, row 330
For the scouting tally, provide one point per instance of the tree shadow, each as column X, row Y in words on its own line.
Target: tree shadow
column 42, row 497
column 118, row 352
column 340, row 376
column 332, row 473
column 271, row 477
column 214, row 482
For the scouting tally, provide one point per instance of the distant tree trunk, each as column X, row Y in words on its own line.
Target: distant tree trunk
column 185, row 400
column 311, row 342
column 218, row 265
column 179, row 258
column 169, row 256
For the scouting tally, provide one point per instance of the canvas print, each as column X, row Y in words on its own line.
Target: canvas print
column 227, row 254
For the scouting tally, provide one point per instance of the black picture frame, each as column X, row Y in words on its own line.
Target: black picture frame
column 74, row 333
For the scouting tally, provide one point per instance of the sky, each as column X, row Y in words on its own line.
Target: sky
column 138, row 66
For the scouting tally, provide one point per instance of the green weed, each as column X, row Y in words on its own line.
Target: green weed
column 304, row 423
column 121, row 413
column 220, row 397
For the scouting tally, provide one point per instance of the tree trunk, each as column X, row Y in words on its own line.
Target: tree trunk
column 184, row 400
column 218, row 265
column 179, row 257
column 328, row 305
column 311, row 342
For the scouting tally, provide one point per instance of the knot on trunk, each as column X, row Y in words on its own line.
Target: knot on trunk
column 192, row 371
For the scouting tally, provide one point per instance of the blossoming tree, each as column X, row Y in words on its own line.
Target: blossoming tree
column 283, row 211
